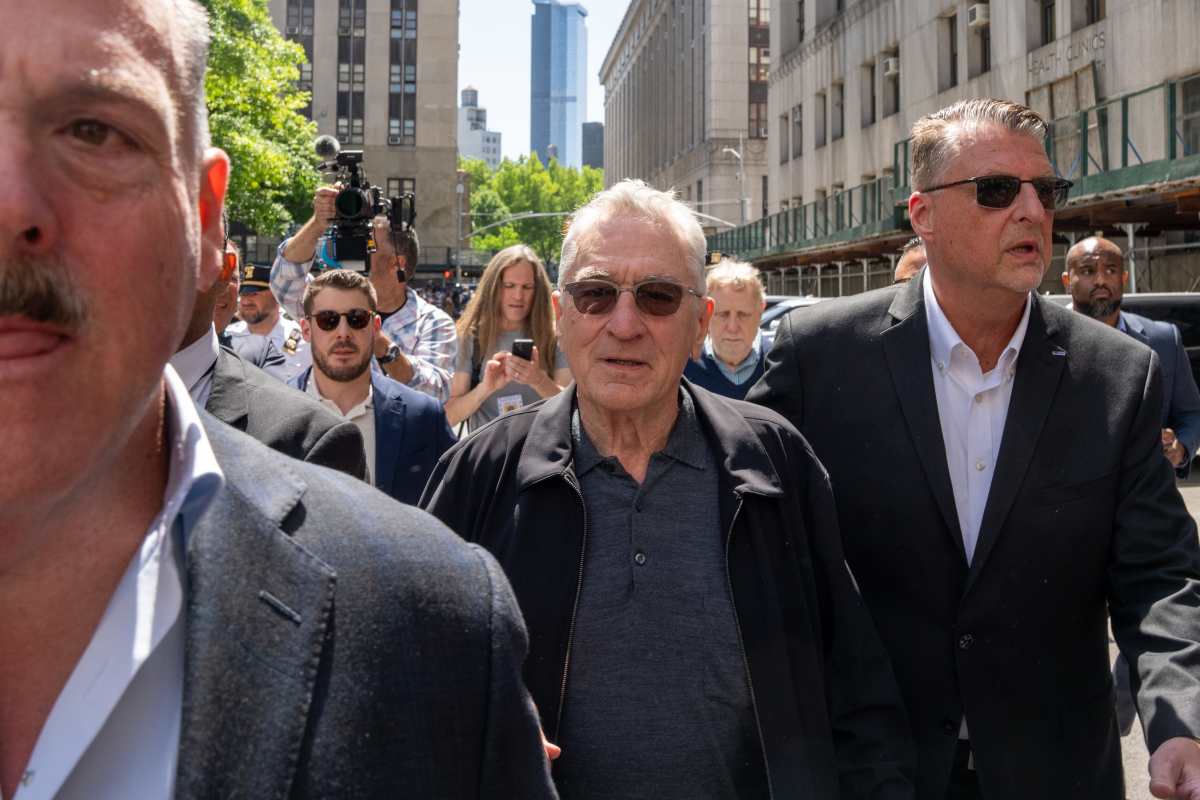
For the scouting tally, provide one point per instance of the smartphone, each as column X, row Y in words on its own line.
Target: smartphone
column 523, row 348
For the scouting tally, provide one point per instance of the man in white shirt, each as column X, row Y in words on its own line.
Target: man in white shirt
column 262, row 318
column 173, row 593
column 1000, row 486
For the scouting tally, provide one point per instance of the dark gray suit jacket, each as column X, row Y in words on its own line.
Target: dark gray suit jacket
column 1083, row 518
column 1181, row 398
column 282, row 418
column 341, row 645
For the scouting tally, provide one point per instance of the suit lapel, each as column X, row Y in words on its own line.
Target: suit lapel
column 906, row 347
column 1039, row 368
column 389, row 434
column 228, row 401
column 259, row 608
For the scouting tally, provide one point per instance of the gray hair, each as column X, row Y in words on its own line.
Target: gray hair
column 935, row 137
column 192, row 39
column 911, row 244
column 634, row 198
column 736, row 275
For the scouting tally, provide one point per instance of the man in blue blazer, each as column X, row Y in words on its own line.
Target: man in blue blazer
column 404, row 432
column 1096, row 278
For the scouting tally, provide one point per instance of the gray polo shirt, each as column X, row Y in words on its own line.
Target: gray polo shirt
column 658, row 704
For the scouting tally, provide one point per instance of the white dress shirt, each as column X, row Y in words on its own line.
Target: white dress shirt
column 195, row 364
column 113, row 733
column 288, row 339
column 972, row 408
column 362, row 415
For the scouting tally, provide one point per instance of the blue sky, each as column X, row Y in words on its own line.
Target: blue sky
column 494, row 58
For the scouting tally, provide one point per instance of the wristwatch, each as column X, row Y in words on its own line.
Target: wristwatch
column 393, row 352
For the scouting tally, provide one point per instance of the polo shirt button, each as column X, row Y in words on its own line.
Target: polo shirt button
column 639, row 558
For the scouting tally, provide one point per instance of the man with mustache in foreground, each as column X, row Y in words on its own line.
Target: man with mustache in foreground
column 1002, row 488
column 185, row 612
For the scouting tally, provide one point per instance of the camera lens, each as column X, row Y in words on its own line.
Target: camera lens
column 352, row 203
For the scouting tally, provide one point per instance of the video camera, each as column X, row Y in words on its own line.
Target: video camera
column 350, row 239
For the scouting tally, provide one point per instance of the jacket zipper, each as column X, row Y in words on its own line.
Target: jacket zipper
column 562, row 692
column 762, row 744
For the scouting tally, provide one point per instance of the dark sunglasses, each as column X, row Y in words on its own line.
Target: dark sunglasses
column 999, row 191
column 356, row 318
column 654, row 297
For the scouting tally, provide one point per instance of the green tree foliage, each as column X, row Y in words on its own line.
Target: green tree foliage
column 525, row 185
column 254, row 114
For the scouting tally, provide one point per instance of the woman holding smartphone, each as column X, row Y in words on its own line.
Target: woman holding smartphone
column 507, row 354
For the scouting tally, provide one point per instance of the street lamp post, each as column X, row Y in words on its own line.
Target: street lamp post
column 742, row 199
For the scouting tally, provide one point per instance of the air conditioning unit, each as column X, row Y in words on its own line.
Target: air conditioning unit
column 293, row 30
column 394, row 139
column 978, row 16
column 891, row 67
column 343, row 30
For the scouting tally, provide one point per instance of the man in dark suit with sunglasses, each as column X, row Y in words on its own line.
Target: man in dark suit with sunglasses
column 404, row 431
column 1003, row 488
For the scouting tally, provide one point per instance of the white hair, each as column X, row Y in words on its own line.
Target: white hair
column 736, row 275
column 634, row 198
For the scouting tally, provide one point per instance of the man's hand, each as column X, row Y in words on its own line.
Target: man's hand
column 302, row 247
column 1175, row 769
column 1173, row 449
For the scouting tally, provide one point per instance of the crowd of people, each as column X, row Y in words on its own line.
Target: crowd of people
column 251, row 558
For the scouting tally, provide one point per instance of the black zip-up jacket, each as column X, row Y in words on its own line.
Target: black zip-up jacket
column 830, row 719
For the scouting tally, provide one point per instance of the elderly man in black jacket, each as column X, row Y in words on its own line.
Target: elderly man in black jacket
column 694, row 629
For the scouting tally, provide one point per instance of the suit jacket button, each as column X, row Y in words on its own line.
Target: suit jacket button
column 965, row 641
column 949, row 728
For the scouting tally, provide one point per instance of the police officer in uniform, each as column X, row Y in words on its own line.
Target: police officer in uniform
column 261, row 317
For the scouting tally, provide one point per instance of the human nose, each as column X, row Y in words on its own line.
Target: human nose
column 625, row 321
column 27, row 223
column 1029, row 205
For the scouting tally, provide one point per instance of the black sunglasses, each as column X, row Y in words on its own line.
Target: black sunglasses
column 356, row 318
column 999, row 191
column 654, row 297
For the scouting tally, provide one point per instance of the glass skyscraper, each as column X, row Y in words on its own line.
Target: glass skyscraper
column 558, row 85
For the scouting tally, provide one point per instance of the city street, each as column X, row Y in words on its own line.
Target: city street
column 1133, row 747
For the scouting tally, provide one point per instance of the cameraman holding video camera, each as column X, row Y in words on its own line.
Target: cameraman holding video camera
column 417, row 345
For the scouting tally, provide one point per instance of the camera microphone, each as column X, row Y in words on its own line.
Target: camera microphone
column 327, row 147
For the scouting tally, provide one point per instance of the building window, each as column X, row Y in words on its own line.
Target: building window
column 948, row 52
column 867, row 94
column 399, row 186
column 765, row 185
column 784, row 124
column 1189, row 115
column 979, row 51
column 760, row 12
column 300, row 16
column 837, row 110
column 700, row 194
column 760, row 63
column 822, row 112
column 798, row 131
column 891, row 82
column 1046, row 21
column 840, row 6
column 402, row 74
column 800, row 20
column 1095, row 11
column 758, row 120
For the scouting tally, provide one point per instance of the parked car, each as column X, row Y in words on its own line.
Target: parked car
column 777, row 306
column 1179, row 308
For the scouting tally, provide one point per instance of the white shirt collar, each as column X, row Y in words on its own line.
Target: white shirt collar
column 194, row 361
column 944, row 340
column 359, row 410
column 113, row 678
